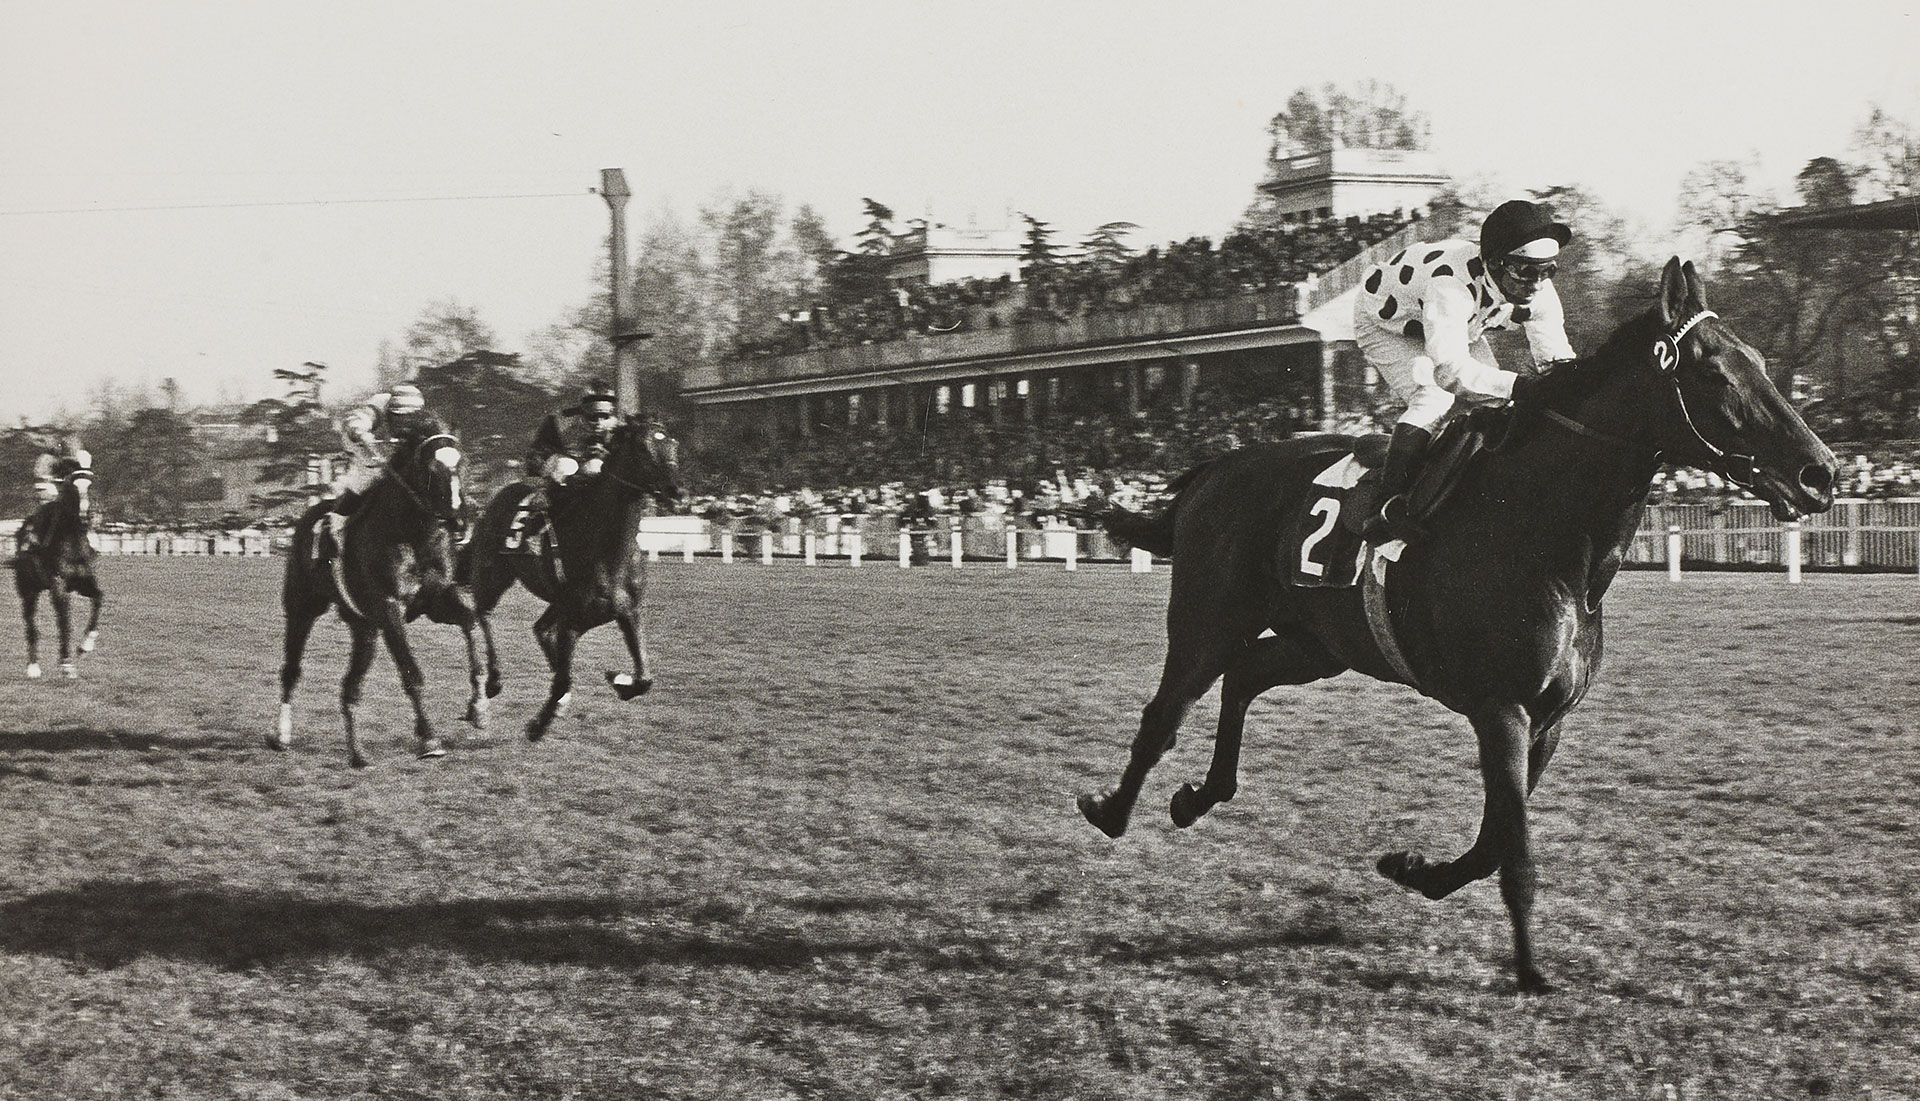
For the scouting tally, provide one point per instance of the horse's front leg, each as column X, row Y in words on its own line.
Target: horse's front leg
column 629, row 685
column 90, row 588
column 1267, row 663
column 1505, row 737
column 454, row 605
column 557, row 636
column 358, row 661
column 29, row 612
column 392, row 618
column 62, row 602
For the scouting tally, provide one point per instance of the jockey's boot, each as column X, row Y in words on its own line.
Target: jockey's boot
column 1409, row 446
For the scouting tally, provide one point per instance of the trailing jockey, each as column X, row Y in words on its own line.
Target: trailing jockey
column 373, row 432
column 46, row 489
column 572, row 441
column 1420, row 319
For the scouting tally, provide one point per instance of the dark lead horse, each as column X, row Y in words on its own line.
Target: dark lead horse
column 60, row 564
column 1497, row 612
column 591, row 570
column 395, row 563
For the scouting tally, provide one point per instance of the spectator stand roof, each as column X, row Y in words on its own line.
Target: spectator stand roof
column 1893, row 214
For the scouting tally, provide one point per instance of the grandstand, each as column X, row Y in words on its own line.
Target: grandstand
column 1092, row 364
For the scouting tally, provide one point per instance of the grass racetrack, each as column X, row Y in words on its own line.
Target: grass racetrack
column 835, row 854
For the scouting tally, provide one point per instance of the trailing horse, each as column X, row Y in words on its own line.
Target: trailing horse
column 1497, row 613
column 60, row 564
column 394, row 563
column 589, row 569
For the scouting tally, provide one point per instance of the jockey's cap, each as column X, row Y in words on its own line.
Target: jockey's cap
column 1523, row 229
column 599, row 400
column 406, row 398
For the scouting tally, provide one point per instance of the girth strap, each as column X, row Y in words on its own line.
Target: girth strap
column 1373, row 590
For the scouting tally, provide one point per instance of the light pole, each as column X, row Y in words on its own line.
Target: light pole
column 621, row 332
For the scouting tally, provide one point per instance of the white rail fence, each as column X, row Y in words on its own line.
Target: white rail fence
column 1881, row 535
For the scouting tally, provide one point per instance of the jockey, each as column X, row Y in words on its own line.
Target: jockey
column 1420, row 319
column 371, row 432
column 572, row 441
column 46, row 487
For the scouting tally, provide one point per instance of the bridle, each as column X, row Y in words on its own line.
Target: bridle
column 609, row 474
column 1665, row 355
column 413, row 457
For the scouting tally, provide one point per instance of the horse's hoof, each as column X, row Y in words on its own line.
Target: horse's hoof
column 1096, row 810
column 69, row 670
column 1413, row 871
column 536, row 729
column 277, row 743
column 357, row 761
column 88, row 643
column 1533, row 982
column 33, row 670
column 626, row 686
column 432, row 747
column 493, row 686
column 477, row 713
column 1186, row 806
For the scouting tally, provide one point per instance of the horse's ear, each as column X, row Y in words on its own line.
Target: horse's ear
column 1673, row 292
column 1696, row 287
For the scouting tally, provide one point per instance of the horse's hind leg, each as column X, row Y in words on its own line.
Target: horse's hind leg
column 1185, row 678
column 1268, row 663
column 358, row 661
column 629, row 685
column 299, row 626
column 557, row 637
column 1503, row 845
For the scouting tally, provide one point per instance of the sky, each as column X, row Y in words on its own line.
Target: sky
column 207, row 191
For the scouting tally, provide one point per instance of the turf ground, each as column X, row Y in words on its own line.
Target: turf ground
column 835, row 854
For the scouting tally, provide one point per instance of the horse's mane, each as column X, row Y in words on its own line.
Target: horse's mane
column 1629, row 339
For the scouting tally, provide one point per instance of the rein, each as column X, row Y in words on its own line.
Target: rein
column 1666, row 359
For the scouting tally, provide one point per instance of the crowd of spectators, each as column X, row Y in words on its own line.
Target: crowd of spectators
column 1246, row 262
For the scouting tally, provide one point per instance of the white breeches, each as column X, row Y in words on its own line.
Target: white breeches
column 1431, row 392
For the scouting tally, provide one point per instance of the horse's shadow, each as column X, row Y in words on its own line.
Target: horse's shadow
column 81, row 739
column 108, row 924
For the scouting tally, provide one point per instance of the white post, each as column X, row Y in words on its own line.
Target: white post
column 855, row 539
column 955, row 549
column 1142, row 561
column 1013, row 547
column 1073, row 550
column 906, row 549
column 726, row 546
column 766, row 548
column 1673, row 553
column 807, row 548
column 686, row 549
column 653, row 554
column 1793, row 552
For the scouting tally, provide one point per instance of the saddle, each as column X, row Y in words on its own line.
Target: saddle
column 1321, row 545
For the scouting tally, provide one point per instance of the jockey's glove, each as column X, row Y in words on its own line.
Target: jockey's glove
column 1526, row 391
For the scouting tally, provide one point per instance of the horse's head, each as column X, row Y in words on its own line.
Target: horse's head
column 1725, row 414
column 75, row 473
column 430, row 468
column 643, row 457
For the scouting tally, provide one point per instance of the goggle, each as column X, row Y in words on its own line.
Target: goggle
column 1530, row 271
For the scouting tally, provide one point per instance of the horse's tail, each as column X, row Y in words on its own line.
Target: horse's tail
column 1153, row 534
